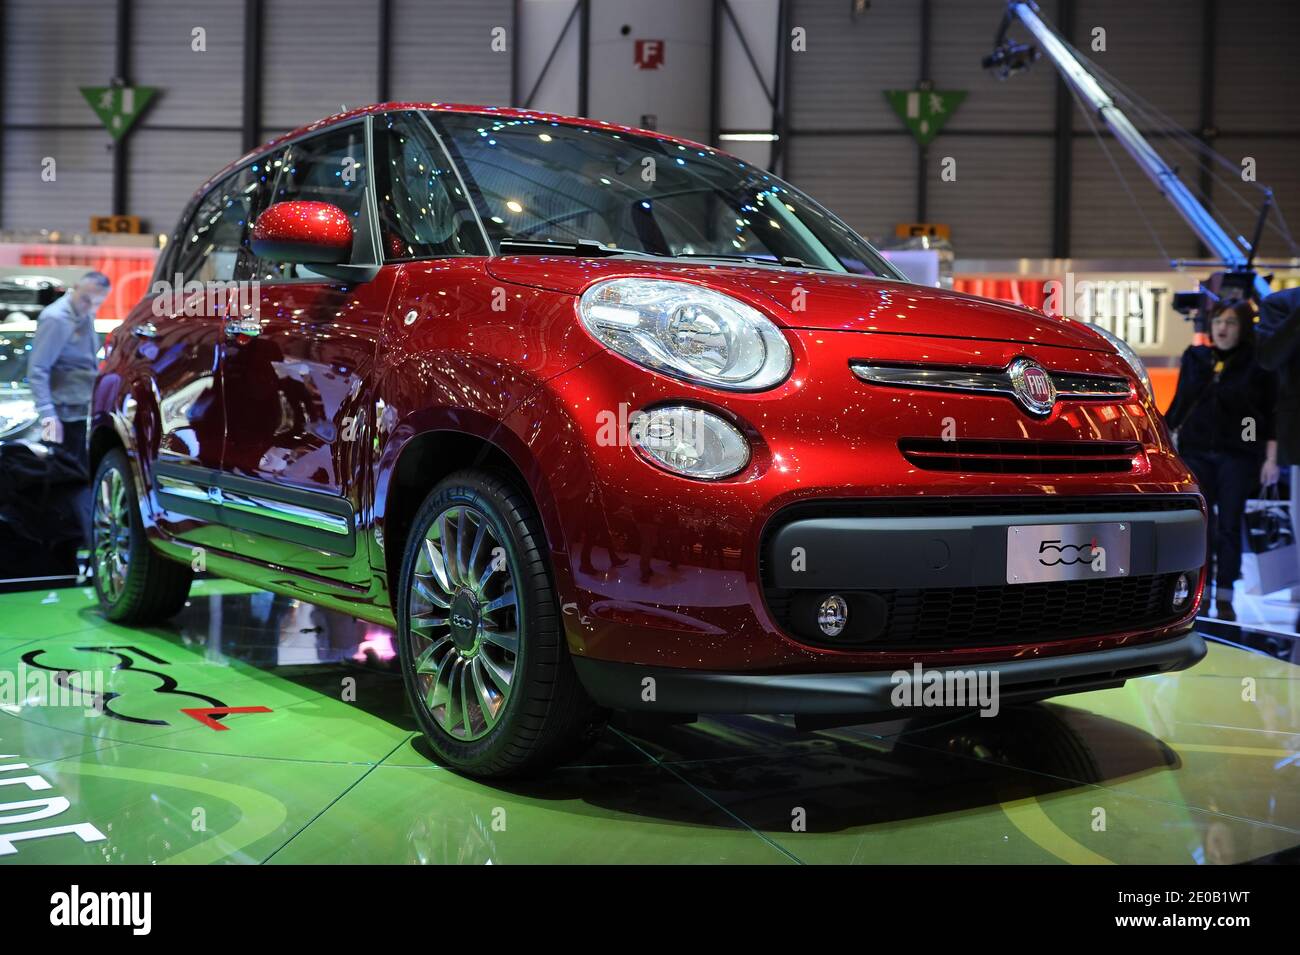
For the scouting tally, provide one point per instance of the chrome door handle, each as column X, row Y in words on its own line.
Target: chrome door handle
column 242, row 326
column 145, row 330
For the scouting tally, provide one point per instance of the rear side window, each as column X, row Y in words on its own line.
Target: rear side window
column 423, row 211
column 329, row 167
column 213, row 245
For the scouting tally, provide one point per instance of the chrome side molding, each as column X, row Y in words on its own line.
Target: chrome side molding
column 310, row 518
column 177, row 487
column 284, row 511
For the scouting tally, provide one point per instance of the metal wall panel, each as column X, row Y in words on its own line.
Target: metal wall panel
column 621, row 92
column 1104, row 222
column 868, row 181
column 319, row 56
column 1000, row 203
column 542, row 26
column 742, row 103
column 1255, row 43
column 1153, row 47
column 200, row 89
column 962, row 35
column 49, row 53
column 166, row 168
column 442, row 51
column 83, row 184
column 1276, row 167
column 838, row 82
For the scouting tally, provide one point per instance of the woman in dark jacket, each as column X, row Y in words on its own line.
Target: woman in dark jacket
column 1222, row 419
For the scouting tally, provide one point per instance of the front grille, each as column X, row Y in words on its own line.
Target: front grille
column 982, row 506
column 982, row 456
column 943, row 618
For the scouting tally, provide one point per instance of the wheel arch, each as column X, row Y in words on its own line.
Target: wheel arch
column 122, row 405
column 424, row 456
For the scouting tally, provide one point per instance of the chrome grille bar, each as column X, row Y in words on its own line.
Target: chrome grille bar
column 988, row 380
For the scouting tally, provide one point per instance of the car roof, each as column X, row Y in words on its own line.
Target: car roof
column 497, row 111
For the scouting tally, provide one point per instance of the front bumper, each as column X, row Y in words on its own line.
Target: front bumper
column 870, row 695
column 916, row 580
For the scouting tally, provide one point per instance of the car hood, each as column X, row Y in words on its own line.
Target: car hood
column 810, row 299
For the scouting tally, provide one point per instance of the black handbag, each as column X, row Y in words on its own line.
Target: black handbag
column 39, row 492
column 1270, row 560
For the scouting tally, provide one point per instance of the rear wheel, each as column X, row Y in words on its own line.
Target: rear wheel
column 134, row 582
column 483, row 653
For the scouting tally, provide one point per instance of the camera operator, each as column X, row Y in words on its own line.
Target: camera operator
column 1222, row 418
column 1279, row 351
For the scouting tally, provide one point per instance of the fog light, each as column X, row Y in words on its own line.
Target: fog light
column 1182, row 591
column 689, row 441
column 833, row 615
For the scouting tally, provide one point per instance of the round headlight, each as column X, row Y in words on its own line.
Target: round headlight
column 1125, row 351
column 691, row 442
column 687, row 331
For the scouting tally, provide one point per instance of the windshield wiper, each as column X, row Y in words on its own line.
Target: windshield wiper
column 582, row 247
column 786, row 260
column 593, row 249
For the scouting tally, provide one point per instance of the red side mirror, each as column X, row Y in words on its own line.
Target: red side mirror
column 309, row 233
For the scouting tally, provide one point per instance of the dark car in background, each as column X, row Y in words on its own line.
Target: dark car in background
column 23, row 296
column 39, row 531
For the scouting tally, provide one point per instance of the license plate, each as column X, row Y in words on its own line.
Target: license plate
column 1047, row 552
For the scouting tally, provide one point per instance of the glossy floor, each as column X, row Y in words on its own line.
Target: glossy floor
column 1197, row 767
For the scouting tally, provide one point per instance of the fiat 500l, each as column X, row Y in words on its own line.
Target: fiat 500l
column 596, row 419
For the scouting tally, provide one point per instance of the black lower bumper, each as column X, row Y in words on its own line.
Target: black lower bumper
column 623, row 686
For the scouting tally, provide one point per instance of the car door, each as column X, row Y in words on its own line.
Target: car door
column 178, row 332
column 296, row 379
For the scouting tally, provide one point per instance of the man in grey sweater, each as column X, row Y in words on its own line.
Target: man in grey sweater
column 64, row 360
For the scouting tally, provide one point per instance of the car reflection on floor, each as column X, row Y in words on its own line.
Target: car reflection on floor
column 315, row 759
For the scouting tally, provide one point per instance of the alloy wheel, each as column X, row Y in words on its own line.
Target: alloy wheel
column 112, row 521
column 465, row 623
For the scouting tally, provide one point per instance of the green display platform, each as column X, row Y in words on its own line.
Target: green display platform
column 1197, row 767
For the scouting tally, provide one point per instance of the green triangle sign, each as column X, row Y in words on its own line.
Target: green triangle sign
column 925, row 111
column 118, row 106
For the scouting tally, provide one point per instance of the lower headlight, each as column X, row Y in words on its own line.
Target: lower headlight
column 689, row 441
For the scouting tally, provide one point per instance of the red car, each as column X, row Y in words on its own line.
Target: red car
column 600, row 419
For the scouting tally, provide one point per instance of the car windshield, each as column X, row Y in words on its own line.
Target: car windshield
column 541, row 181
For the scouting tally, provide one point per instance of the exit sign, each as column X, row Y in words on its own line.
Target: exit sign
column 913, row 230
column 117, row 225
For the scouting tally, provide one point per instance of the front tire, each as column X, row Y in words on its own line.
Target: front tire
column 135, row 583
column 482, row 649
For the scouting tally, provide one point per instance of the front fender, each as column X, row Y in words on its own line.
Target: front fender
column 124, row 413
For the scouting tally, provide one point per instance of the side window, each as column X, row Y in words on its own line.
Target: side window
column 423, row 212
column 213, row 245
column 329, row 167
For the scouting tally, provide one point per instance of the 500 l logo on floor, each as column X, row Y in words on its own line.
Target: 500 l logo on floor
column 26, row 811
column 102, row 701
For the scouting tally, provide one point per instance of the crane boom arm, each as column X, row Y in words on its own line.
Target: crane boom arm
column 1086, row 87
